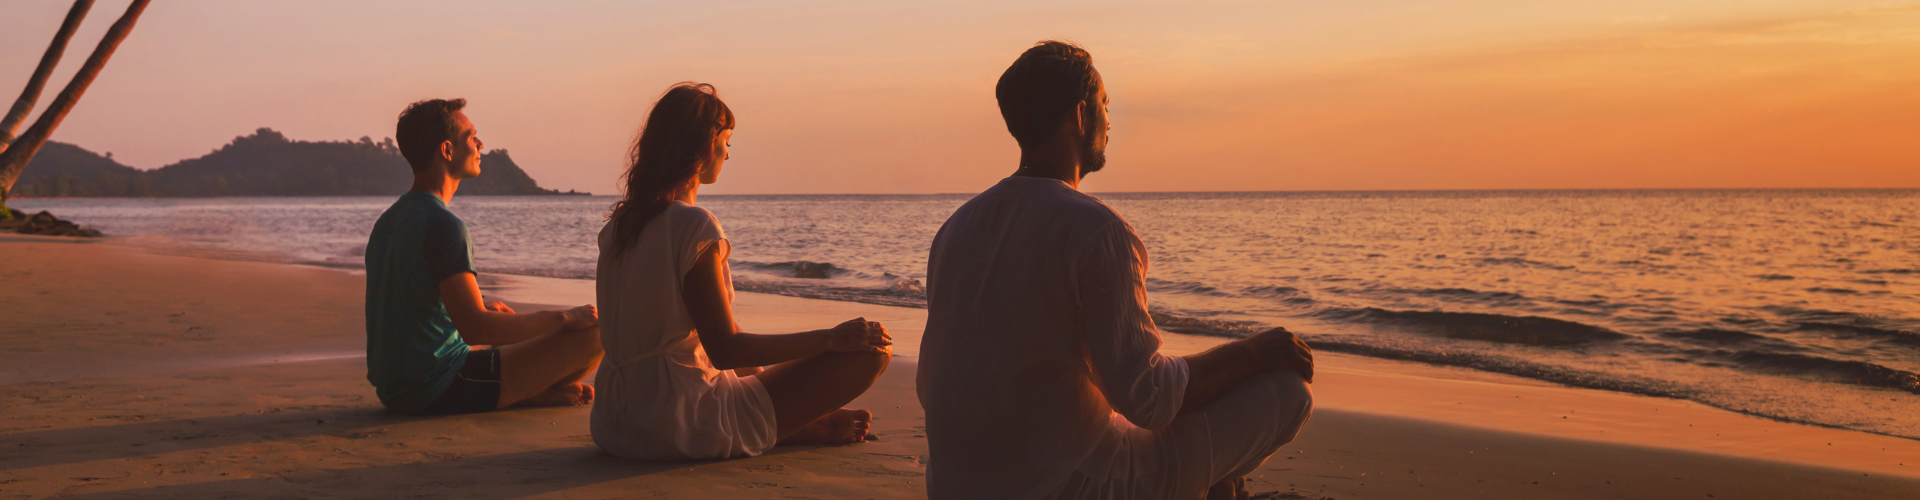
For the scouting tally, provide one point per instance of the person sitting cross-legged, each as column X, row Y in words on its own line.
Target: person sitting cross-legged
column 1040, row 368
column 682, row 381
column 424, row 305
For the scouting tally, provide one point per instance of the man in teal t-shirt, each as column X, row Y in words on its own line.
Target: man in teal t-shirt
column 424, row 305
column 413, row 349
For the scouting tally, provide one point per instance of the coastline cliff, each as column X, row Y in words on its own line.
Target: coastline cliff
column 265, row 163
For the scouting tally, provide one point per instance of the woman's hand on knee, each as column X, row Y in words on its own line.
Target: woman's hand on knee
column 859, row 335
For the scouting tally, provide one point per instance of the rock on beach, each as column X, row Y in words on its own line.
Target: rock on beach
column 45, row 224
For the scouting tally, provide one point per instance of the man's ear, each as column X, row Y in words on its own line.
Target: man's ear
column 446, row 150
column 1080, row 119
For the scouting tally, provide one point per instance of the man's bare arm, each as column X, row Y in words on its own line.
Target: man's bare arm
column 1216, row 371
column 481, row 324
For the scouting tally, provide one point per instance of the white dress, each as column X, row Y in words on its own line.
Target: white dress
column 657, row 396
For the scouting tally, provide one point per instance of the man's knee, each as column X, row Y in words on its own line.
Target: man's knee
column 1292, row 395
column 875, row 361
column 584, row 339
column 1267, row 412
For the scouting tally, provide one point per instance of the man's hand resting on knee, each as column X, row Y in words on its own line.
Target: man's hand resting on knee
column 1279, row 349
column 1218, row 370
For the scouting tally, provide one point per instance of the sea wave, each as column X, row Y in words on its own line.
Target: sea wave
column 1275, row 291
column 795, row 269
column 1831, row 370
column 1289, row 296
column 1187, row 287
column 1799, row 314
column 1516, row 261
column 1464, row 295
column 1508, row 365
column 1203, row 326
column 1897, row 336
column 1500, row 328
column 1714, row 336
column 1751, row 358
column 902, row 297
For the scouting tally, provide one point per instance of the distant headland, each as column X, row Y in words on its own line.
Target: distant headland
column 263, row 164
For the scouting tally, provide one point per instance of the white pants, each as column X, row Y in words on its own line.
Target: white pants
column 1230, row 437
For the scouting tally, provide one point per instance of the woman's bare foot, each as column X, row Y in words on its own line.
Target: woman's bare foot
column 570, row 394
column 842, row 426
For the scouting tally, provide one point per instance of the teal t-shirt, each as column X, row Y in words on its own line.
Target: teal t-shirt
column 413, row 350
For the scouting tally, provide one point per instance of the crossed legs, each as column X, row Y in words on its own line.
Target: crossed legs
column 808, row 395
column 1249, row 424
column 547, row 370
column 1203, row 453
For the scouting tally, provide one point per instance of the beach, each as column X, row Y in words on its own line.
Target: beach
column 1785, row 304
column 136, row 374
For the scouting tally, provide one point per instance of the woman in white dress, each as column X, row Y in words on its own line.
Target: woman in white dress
column 680, row 381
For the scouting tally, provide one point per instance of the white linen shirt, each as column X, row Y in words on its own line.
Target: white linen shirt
column 1037, row 334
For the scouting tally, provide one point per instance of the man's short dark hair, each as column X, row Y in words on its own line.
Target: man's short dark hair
column 1040, row 90
column 423, row 126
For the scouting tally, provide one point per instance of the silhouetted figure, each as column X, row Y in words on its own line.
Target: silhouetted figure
column 682, row 381
column 1040, row 371
column 424, row 306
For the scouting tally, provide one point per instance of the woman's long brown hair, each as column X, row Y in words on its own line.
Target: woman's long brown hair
column 674, row 145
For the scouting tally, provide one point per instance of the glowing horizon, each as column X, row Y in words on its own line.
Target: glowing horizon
column 872, row 97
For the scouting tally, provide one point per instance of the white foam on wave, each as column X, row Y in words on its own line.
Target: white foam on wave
column 557, row 292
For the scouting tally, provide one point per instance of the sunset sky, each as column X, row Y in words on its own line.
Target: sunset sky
column 887, row 97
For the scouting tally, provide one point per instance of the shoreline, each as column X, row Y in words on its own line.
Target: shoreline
column 554, row 292
column 1386, row 386
column 1814, row 375
column 118, row 406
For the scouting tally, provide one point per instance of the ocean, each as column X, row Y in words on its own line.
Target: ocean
column 1796, row 305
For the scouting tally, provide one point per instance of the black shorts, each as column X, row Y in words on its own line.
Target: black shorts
column 475, row 389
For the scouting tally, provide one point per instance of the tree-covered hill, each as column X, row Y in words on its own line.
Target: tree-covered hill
column 263, row 164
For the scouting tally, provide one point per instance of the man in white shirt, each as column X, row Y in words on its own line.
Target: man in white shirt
column 1039, row 369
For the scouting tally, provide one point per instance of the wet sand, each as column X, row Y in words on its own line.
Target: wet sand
column 129, row 374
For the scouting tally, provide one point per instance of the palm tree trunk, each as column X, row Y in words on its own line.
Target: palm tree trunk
column 24, row 105
column 15, row 158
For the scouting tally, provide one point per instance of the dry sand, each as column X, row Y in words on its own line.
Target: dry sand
column 129, row 374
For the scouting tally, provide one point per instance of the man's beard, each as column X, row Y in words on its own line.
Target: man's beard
column 1092, row 158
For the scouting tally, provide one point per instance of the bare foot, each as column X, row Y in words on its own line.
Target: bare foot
column 572, row 394
column 842, row 426
column 1229, row 489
